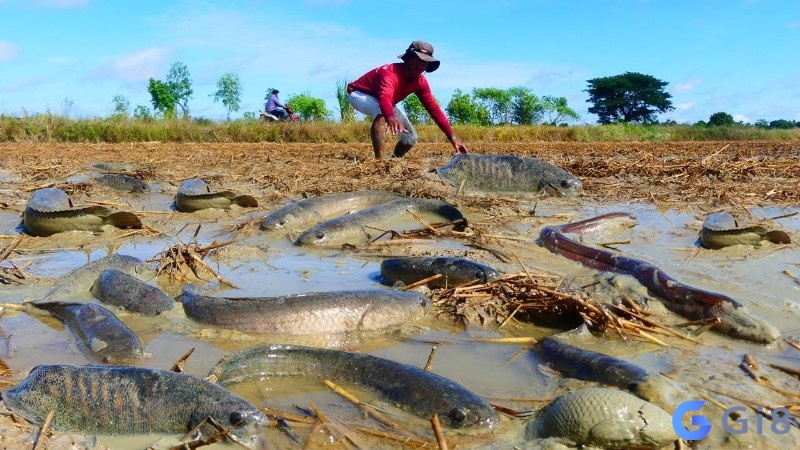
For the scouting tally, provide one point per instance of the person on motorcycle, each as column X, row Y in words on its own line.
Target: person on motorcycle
column 275, row 107
column 378, row 92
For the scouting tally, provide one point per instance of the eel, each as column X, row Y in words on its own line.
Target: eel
column 736, row 320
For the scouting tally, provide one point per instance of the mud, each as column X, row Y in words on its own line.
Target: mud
column 670, row 187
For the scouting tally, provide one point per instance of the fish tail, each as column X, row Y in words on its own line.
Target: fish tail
column 123, row 219
column 247, row 201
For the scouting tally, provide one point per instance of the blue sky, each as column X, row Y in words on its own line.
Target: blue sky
column 74, row 56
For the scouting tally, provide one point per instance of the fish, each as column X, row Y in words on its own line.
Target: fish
column 720, row 230
column 604, row 418
column 77, row 283
column 353, row 228
column 587, row 365
column 308, row 212
column 113, row 167
column 128, row 400
column 125, row 183
column 118, row 288
column 308, row 313
column 736, row 320
column 508, row 174
column 100, row 331
column 50, row 211
column 194, row 195
column 455, row 271
column 417, row 391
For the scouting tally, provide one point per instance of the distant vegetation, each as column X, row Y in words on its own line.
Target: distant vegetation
column 626, row 105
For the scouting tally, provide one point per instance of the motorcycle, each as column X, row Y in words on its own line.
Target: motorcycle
column 291, row 116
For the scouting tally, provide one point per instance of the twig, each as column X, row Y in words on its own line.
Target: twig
column 421, row 282
column 10, row 247
column 437, row 431
column 43, row 431
column 429, row 362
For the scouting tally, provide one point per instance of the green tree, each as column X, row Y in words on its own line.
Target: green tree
column 526, row 108
column 162, row 97
column 557, row 110
column 229, row 90
column 308, row 107
column 414, row 110
column 141, row 112
column 630, row 97
column 346, row 111
column 181, row 85
column 762, row 123
column 499, row 103
column 463, row 109
column 121, row 106
column 781, row 124
column 721, row 119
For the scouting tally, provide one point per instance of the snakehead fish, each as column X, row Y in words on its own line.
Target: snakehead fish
column 129, row 400
column 455, row 271
column 415, row 390
column 308, row 313
column 509, row 173
column 720, row 230
column 101, row 332
column 736, row 320
column 125, row 183
column 194, row 194
column 604, row 418
column 356, row 227
column 307, row 212
column 50, row 211
column 121, row 289
column 76, row 284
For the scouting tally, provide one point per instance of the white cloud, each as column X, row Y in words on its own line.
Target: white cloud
column 8, row 51
column 134, row 67
column 687, row 86
column 741, row 118
column 684, row 106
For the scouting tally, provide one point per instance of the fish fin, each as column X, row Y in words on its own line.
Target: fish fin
column 614, row 431
column 247, row 201
column 777, row 237
column 123, row 219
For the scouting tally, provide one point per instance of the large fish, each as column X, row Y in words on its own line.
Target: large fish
column 101, row 332
column 356, row 227
column 76, row 284
column 508, row 173
column 118, row 288
column 455, row 271
column 308, row 313
column 720, row 230
column 604, row 418
column 308, row 212
column 50, row 211
column 415, row 390
column 129, row 400
column 194, row 195
column 124, row 183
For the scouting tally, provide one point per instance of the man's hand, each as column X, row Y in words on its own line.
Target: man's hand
column 395, row 127
column 460, row 148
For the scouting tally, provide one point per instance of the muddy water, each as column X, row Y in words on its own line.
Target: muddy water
column 260, row 264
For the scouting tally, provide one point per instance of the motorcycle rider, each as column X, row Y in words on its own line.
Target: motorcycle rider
column 275, row 107
column 378, row 92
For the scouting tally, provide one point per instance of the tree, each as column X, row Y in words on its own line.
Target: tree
column 526, row 108
column 762, row 123
column 557, row 110
column 721, row 119
column 630, row 97
column 121, row 105
column 141, row 112
column 346, row 111
column 782, row 124
column 180, row 85
column 162, row 97
column 229, row 90
column 308, row 107
column 497, row 101
column 414, row 110
column 463, row 109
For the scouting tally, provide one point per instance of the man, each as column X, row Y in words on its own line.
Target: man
column 377, row 93
column 275, row 107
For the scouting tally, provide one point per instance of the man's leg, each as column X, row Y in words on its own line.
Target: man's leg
column 407, row 138
column 378, row 134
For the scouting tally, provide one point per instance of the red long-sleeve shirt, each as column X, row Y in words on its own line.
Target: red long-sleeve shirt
column 390, row 85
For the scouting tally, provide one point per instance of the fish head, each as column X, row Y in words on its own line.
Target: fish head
column 472, row 270
column 244, row 421
column 406, row 307
column 464, row 417
column 565, row 186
